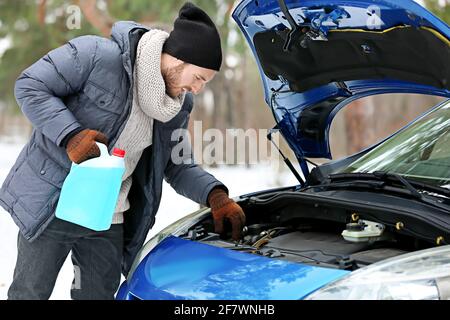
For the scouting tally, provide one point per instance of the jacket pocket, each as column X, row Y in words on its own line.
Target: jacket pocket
column 36, row 182
column 102, row 98
column 45, row 167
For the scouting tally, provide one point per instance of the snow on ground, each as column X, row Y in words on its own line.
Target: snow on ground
column 238, row 179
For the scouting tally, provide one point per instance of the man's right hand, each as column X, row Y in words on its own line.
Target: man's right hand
column 82, row 146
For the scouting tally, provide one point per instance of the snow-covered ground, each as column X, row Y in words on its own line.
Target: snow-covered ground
column 173, row 206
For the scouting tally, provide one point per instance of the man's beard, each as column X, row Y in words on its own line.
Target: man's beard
column 171, row 78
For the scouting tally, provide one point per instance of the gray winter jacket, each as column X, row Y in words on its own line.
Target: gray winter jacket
column 87, row 83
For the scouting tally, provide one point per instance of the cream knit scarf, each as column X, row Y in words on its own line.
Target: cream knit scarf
column 150, row 102
column 150, row 88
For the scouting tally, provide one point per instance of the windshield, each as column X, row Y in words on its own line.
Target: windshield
column 420, row 152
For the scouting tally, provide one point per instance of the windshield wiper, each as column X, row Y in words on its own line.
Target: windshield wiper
column 379, row 180
column 410, row 184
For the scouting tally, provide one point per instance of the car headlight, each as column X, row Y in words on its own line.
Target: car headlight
column 422, row 275
column 177, row 228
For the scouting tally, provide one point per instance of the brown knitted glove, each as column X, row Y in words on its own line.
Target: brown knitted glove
column 222, row 207
column 82, row 146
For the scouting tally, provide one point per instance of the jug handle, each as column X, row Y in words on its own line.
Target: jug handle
column 103, row 152
column 103, row 149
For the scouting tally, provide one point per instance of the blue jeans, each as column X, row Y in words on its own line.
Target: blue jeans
column 96, row 256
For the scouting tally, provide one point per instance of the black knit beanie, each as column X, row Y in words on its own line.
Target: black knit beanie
column 194, row 39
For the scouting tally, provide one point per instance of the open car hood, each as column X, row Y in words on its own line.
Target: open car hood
column 316, row 56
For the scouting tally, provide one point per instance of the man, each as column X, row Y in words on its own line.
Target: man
column 129, row 92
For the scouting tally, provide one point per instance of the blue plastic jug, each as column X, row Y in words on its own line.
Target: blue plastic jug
column 89, row 193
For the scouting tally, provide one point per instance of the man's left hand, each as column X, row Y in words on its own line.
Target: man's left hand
column 222, row 207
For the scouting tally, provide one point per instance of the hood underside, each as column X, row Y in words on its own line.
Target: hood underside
column 418, row 55
column 316, row 56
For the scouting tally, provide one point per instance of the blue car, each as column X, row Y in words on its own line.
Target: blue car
column 375, row 225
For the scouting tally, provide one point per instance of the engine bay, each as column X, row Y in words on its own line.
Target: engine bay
column 303, row 243
column 345, row 240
